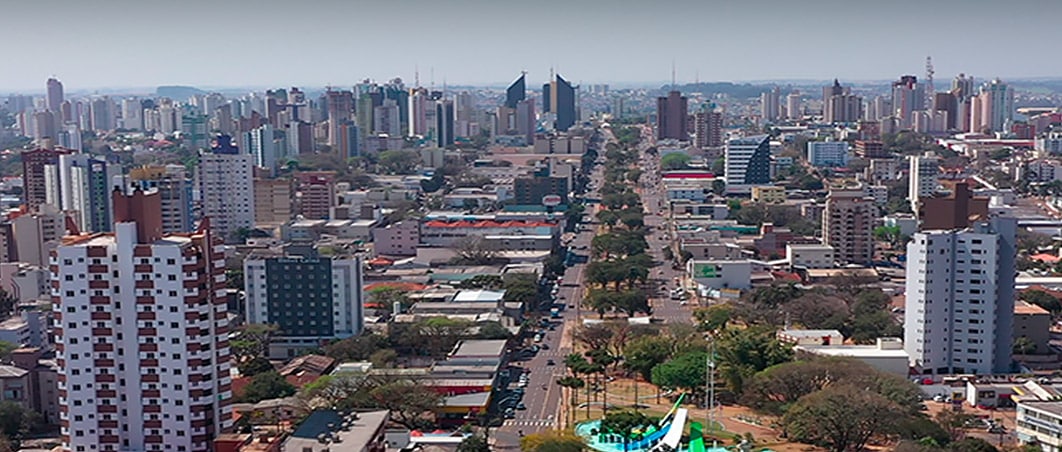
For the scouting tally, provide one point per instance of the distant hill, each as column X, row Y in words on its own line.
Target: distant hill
column 177, row 92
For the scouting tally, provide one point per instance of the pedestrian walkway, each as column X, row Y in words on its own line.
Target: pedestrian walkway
column 529, row 423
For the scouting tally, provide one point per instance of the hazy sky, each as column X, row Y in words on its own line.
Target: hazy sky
column 223, row 43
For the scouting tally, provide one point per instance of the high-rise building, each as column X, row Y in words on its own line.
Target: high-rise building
column 348, row 142
column 195, row 132
column 266, row 148
column 559, row 99
column 418, row 112
column 175, row 194
column 516, row 92
column 708, row 127
column 948, row 104
column 748, row 163
column 273, row 201
column 908, row 96
column 444, row 118
column 997, row 106
column 340, row 106
column 70, row 137
column 793, row 110
column 959, row 310
column 132, row 114
column 81, row 185
column 841, row 106
column 924, row 170
column 35, row 181
column 224, row 180
column 55, row 96
column 44, row 125
column 958, row 210
column 312, row 299
column 671, row 117
column 102, row 114
column 142, row 333
column 386, row 119
column 770, row 110
column 828, row 153
column 317, row 194
column 963, row 87
column 848, row 225
column 366, row 104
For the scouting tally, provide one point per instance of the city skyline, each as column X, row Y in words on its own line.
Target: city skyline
column 124, row 44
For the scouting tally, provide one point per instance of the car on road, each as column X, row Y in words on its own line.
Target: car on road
column 521, row 406
column 550, row 362
column 510, row 413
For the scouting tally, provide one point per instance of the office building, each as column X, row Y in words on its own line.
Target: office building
column 848, row 225
column 924, row 170
column 81, row 185
column 386, row 119
column 671, row 117
column 828, row 153
column 175, row 194
column 559, row 99
column 748, row 162
column 312, row 299
column 516, row 92
column 708, row 127
column 141, row 336
column 224, row 180
column 444, row 118
column 418, row 112
column 959, row 309
column 963, row 87
column 34, row 182
column 55, row 96
column 770, row 110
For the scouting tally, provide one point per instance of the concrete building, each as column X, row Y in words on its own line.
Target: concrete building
column 960, row 298
column 175, row 193
column 31, row 237
column 398, row 239
column 273, row 200
column 887, row 355
column 923, row 174
column 770, row 107
column 34, row 174
column 81, row 185
column 828, row 153
column 317, row 194
column 708, row 127
column 1033, row 323
column 166, row 291
column 225, row 182
column 770, row 194
column 331, row 431
column 810, row 337
column 848, row 225
column 957, row 210
column 671, row 117
column 720, row 274
column 810, row 255
column 339, row 105
column 313, row 299
column 747, row 163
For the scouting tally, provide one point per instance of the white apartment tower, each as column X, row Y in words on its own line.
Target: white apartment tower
column 225, row 182
column 960, row 299
column 923, row 174
column 141, row 336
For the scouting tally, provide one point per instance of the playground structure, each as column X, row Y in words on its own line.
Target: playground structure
column 667, row 432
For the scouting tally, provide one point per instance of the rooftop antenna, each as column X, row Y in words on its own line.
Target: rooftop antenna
column 433, row 78
column 697, row 76
column 416, row 76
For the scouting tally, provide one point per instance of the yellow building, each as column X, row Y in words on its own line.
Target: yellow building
column 770, row 194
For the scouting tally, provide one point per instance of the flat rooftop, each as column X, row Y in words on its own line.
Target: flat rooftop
column 479, row 348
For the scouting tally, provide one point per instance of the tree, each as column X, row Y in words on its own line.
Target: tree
column 841, row 417
column 675, row 161
column 473, row 250
column 954, row 423
column 742, row 353
column 356, row 348
column 8, row 302
column 1024, row 346
column 383, row 358
column 473, row 443
column 521, row 287
column 255, row 366
column 266, row 386
column 643, row 354
column 713, row 318
column 493, row 330
column 685, row 372
column 252, row 340
column 629, row 425
column 1042, row 299
column 487, row 282
column 398, row 162
column 408, row 401
column 552, row 441
column 15, row 421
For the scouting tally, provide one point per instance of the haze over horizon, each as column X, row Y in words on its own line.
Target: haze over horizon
column 143, row 43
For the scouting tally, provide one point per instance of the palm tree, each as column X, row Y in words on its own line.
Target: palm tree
column 572, row 383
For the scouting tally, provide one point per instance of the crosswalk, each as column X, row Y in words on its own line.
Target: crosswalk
column 529, row 423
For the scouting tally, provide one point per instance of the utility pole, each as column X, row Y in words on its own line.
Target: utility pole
column 709, row 395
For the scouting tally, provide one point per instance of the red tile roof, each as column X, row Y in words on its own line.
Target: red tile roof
column 487, row 224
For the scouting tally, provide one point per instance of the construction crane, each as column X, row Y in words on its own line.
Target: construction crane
column 930, row 93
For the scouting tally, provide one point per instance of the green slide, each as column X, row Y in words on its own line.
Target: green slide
column 696, row 437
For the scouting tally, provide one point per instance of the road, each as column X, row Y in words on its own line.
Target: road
column 542, row 395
